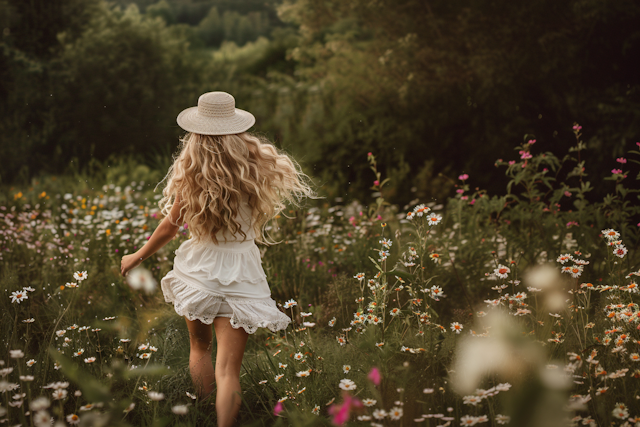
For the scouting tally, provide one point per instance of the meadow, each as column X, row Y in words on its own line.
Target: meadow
column 513, row 309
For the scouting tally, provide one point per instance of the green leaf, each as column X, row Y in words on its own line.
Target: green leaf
column 375, row 263
column 585, row 187
column 149, row 370
column 403, row 274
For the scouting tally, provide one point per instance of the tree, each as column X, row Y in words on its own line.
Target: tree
column 461, row 82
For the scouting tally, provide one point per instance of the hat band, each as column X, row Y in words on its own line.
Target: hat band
column 216, row 111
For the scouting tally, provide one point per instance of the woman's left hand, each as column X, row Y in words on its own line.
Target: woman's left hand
column 129, row 262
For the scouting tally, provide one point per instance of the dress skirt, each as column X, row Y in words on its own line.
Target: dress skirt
column 224, row 280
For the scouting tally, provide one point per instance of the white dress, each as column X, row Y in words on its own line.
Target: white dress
column 224, row 280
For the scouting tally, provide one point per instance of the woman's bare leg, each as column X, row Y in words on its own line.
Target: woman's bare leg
column 200, row 364
column 231, row 344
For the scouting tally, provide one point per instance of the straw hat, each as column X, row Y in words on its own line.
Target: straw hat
column 216, row 114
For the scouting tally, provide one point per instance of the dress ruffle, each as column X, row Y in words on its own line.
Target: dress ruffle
column 248, row 313
column 225, row 264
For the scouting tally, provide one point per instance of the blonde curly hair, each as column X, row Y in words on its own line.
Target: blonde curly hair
column 212, row 173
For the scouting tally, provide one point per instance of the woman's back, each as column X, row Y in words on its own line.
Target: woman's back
column 244, row 217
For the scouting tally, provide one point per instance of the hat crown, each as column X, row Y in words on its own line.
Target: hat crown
column 216, row 104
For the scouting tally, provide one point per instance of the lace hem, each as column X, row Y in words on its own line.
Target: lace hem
column 248, row 313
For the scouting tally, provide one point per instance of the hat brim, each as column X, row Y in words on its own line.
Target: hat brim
column 190, row 121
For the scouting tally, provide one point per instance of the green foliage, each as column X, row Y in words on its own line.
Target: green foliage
column 232, row 27
column 333, row 82
column 136, row 93
column 163, row 10
column 447, row 82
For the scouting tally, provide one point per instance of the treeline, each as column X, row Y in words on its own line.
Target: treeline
column 433, row 88
column 211, row 25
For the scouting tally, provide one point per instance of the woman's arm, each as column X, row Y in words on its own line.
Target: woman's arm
column 160, row 237
column 164, row 233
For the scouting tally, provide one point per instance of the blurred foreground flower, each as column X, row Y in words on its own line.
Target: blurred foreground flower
column 505, row 353
column 508, row 354
column 141, row 279
column 341, row 413
column 550, row 282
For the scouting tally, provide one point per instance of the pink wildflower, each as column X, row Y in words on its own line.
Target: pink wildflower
column 616, row 171
column 341, row 412
column 278, row 408
column 463, row 177
column 376, row 182
column 621, row 160
column 531, row 141
column 374, row 376
column 512, row 162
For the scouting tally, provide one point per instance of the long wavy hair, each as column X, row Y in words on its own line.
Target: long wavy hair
column 213, row 173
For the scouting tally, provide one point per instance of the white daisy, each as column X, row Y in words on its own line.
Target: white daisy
column 620, row 251
column 16, row 354
column 456, row 327
column 59, row 394
column 290, row 303
column 379, row 414
column 503, row 419
column 73, row 419
column 180, row 409
column 610, row 234
column 18, row 296
column 154, row 395
column 80, row 275
column 39, row 404
column 502, row 271
column 395, row 413
column 434, row 219
column 347, row 384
